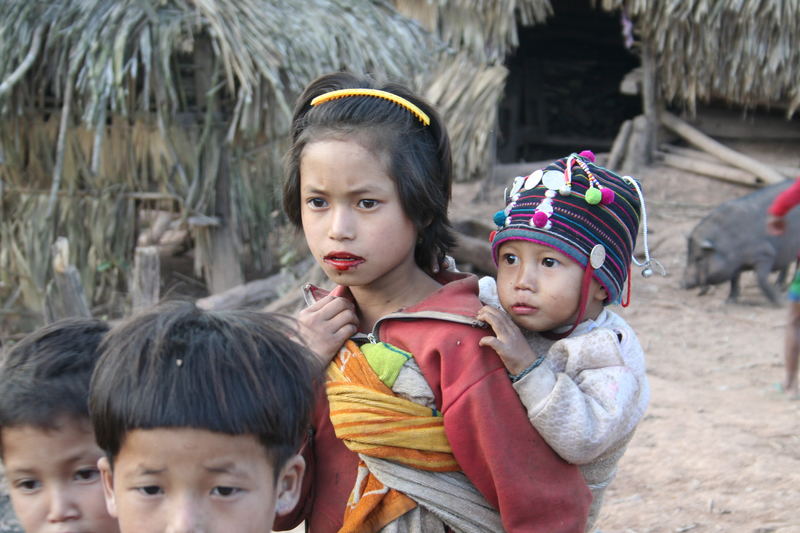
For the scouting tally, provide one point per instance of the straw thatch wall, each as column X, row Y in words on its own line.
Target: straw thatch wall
column 108, row 104
column 110, row 107
column 743, row 52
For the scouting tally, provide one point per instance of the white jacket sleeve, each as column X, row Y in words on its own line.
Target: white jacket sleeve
column 585, row 399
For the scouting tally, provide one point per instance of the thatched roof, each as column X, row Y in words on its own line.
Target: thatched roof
column 184, row 105
column 743, row 52
column 485, row 29
column 467, row 87
column 162, row 98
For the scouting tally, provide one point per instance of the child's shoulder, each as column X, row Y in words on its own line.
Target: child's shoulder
column 457, row 296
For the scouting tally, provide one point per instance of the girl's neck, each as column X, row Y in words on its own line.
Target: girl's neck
column 378, row 300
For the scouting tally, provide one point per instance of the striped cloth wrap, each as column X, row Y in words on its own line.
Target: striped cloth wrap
column 372, row 421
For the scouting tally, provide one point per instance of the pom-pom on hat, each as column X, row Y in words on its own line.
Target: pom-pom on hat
column 585, row 211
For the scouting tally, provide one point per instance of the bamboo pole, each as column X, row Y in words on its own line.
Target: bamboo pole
column 712, row 170
column 703, row 142
column 26, row 63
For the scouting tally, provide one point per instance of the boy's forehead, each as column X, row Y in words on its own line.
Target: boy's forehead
column 67, row 440
column 157, row 449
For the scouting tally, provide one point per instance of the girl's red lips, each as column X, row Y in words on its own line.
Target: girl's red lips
column 343, row 260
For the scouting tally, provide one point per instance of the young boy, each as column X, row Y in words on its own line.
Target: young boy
column 46, row 440
column 201, row 416
column 563, row 251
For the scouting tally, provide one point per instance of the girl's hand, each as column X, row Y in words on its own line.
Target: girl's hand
column 775, row 225
column 327, row 324
column 509, row 343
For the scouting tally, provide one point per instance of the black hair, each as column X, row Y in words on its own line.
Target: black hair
column 235, row 372
column 419, row 156
column 46, row 375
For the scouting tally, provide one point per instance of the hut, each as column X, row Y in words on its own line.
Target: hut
column 729, row 67
column 113, row 109
column 171, row 116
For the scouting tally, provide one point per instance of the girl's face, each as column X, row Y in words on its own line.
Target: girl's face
column 541, row 288
column 352, row 216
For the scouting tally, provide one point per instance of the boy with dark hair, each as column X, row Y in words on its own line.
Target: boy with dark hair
column 46, row 440
column 201, row 415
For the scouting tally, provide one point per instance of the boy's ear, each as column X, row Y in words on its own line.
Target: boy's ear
column 599, row 293
column 107, row 477
column 290, row 481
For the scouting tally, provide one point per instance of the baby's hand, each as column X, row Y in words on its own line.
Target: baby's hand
column 327, row 324
column 509, row 343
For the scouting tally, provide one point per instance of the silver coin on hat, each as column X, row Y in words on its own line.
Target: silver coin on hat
column 597, row 256
column 533, row 180
column 553, row 179
column 519, row 181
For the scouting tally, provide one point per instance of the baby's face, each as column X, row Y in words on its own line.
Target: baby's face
column 182, row 479
column 53, row 478
column 540, row 287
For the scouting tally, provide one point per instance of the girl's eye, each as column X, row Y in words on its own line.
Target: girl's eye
column 150, row 490
column 549, row 262
column 87, row 474
column 28, row 485
column 225, row 491
column 316, row 203
column 510, row 259
column 367, row 204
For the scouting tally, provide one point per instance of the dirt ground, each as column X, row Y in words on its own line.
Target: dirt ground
column 719, row 448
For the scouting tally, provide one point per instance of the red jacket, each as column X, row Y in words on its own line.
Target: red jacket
column 498, row 449
column 785, row 201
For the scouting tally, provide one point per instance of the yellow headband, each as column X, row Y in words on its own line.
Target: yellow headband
column 399, row 100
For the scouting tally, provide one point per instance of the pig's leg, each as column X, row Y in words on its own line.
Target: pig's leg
column 734, row 294
column 763, row 269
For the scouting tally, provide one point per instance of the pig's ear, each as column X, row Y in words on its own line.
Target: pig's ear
column 707, row 245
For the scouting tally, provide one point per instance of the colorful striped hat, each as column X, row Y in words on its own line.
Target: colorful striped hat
column 581, row 209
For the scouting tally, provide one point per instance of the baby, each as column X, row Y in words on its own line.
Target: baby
column 563, row 250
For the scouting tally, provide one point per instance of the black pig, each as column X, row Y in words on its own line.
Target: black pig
column 733, row 238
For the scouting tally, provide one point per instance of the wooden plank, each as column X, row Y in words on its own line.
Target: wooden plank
column 713, row 170
column 705, row 156
column 146, row 278
column 729, row 124
column 250, row 294
column 700, row 140
column 620, row 145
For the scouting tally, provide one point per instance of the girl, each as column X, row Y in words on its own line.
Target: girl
column 368, row 180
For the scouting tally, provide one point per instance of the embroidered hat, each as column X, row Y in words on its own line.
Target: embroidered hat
column 581, row 209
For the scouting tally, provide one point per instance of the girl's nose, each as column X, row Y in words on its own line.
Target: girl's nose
column 342, row 225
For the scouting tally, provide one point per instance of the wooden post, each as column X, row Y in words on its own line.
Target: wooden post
column 146, row 282
column 650, row 101
column 64, row 296
column 225, row 271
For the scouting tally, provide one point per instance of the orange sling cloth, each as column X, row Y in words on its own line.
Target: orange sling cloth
column 371, row 420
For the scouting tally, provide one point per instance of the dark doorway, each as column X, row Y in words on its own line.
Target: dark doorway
column 562, row 93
